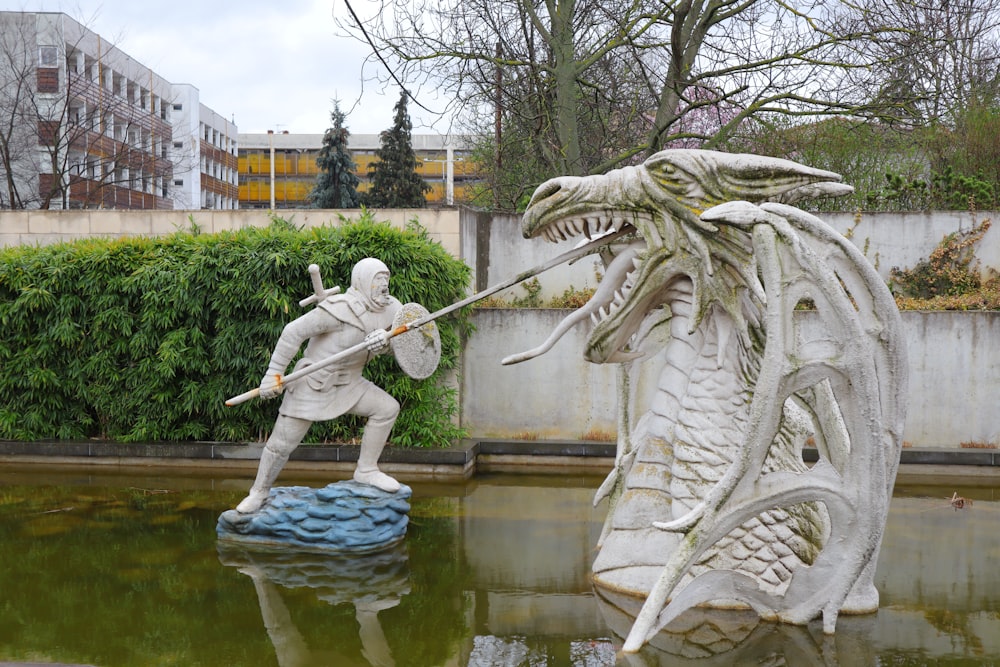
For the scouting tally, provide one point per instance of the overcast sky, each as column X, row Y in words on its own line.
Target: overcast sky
column 266, row 64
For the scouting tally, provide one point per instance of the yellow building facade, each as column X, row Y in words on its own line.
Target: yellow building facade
column 278, row 170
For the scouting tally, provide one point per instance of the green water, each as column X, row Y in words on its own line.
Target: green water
column 102, row 569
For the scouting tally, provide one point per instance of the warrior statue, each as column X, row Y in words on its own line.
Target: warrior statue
column 365, row 313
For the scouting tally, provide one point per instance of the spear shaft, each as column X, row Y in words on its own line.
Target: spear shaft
column 568, row 256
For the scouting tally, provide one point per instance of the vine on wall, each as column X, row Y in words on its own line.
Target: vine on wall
column 949, row 279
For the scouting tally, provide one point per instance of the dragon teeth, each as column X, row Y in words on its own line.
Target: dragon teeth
column 591, row 226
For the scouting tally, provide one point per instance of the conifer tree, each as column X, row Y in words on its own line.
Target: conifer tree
column 337, row 183
column 395, row 182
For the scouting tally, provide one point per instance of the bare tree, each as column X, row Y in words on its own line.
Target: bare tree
column 939, row 58
column 18, row 143
column 603, row 81
column 73, row 130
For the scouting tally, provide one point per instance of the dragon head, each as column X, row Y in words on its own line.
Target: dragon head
column 663, row 199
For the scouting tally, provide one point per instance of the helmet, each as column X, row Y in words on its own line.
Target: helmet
column 362, row 278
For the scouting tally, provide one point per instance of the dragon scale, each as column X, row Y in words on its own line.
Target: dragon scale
column 690, row 436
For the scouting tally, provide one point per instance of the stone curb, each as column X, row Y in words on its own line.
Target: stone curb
column 912, row 456
column 462, row 455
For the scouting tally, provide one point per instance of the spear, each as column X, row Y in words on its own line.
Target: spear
column 568, row 256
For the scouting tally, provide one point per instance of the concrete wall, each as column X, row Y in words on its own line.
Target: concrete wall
column 903, row 239
column 44, row 227
column 495, row 248
column 954, row 362
column 954, row 356
column 493, row 245
column 557, row 395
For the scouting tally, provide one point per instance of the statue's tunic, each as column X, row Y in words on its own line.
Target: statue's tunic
column 337, row 323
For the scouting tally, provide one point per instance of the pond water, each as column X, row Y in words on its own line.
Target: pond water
column 113, row 569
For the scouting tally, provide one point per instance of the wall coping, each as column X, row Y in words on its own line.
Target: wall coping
column 462, row 457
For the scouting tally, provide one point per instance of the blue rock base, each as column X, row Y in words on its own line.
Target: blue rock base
column 344, row 517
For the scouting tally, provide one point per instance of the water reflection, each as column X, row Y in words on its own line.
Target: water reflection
column 371, row 583
column 940, row 601
column 710, row 638
column 110, row 570
column 529, row 549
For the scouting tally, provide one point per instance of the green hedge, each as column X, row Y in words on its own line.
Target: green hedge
column 144, row 339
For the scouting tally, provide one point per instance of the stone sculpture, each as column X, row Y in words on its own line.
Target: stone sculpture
column 363, row 316
column 710, row 501
column 344, row 331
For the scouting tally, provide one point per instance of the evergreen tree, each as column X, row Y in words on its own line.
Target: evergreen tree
column 395, row 182
column 337, row 183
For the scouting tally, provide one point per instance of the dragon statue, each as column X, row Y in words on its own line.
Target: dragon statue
column 774, row 333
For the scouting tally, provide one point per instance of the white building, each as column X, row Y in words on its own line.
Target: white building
column 204, row 152
column 94, row 128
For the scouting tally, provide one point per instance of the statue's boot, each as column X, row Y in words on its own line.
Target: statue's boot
column 372, row 443
column 271, row 463
column 286, row 436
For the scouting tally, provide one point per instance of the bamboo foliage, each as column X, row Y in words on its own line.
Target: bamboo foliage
column 143, row 339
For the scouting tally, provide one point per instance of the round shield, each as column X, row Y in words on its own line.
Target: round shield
column 417, row 351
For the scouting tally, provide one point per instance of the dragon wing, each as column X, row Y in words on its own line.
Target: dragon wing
column 847, row 366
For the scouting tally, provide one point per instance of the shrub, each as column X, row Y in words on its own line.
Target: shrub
column 573, row 297
column 946, row 191
column 949, row 271
column 570, row 298
column 144, row 339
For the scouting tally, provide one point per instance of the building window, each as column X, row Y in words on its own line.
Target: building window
column 178, row 144
column 48, row 56
column 178, row 107
column 179, row 182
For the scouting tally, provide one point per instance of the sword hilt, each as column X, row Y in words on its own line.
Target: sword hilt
column 319, row 293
